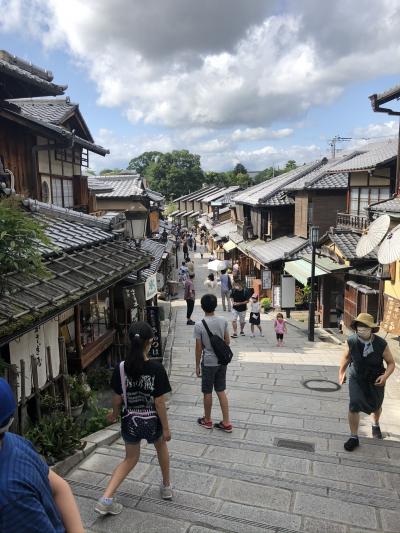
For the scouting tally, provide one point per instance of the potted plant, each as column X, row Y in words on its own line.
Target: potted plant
column 79, row 394
column 266, row 304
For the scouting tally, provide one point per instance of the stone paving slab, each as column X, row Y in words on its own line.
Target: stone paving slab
column 242, row 482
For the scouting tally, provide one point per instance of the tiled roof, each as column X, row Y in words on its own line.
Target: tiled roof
column 11, row 111
column 260, row 193
column 320, row 178
column 197, row 195
column 156, row 250
column 347, row 241
column 369, row 156
column 387, row 206
column 305, row 248
column 274, row 250
column 30, row 300
column 278, row 199
column 106, row 222
column 54, row 110
column 236, row 237
column 221, row 193
column 28, row 84
column 123, row 186
column 224, row 229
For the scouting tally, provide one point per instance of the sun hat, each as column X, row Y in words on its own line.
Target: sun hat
column 7, row 403
column 365, row 319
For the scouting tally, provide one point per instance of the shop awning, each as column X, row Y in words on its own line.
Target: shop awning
column 195, row 214
column 229, row 246
column 301, row 268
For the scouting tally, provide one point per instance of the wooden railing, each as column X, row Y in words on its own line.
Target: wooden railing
column 348, row 220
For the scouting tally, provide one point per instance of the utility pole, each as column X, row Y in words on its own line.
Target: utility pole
column 335, row 140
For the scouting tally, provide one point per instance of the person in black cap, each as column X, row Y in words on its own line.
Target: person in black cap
column 364, row 355
column 33, row 499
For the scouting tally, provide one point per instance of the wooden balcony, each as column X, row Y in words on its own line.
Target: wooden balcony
column 348, row 220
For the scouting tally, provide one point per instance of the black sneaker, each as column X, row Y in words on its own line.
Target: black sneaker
column 190, row 323
column 376, row 432
column 351, row 444
column 242, row 333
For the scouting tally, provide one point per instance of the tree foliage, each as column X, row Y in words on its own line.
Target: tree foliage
column 239, row 169
column 20, row 235
column 175, row 173
column 139, row 164
column 111, row 171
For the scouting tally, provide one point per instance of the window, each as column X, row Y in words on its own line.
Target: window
column 362, row 197
column 45, row 192
column 68, row 193
column 56, row 185
column 63, row 192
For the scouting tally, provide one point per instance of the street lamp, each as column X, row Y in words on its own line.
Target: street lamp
column 314, row 239
column 137, row 222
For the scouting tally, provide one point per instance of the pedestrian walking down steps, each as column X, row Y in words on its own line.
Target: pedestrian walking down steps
column 365, row 356
column 139, row 386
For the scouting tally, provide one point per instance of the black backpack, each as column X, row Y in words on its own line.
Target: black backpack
column 229, row 282
column 222, row 350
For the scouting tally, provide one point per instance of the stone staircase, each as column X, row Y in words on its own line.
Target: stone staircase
column 282, row 470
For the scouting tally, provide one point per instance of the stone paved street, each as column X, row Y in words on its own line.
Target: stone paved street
column 248, row 481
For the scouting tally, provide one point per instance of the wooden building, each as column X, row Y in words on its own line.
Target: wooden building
column 44, row 142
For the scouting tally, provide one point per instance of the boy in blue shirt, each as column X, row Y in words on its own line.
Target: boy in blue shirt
column 33, row 499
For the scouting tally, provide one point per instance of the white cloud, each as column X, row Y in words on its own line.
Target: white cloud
column 182, row 64
column 376, row 131
column 252, row 134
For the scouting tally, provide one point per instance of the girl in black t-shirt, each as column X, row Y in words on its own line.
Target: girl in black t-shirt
column 139, row 385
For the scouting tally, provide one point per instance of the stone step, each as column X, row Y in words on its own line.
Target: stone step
column 342, row 482
column 248, row 504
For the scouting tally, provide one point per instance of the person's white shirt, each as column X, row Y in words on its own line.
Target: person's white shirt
column 255, row 307
column 211, row 285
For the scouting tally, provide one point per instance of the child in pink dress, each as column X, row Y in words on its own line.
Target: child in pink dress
column 280, row 328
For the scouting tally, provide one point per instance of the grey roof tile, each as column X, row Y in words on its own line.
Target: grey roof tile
column 156, row 250
column 347, row 241
column 72, row 276
column 49, row 110
column 260, row 193
column 369, row 156
column 31, row 85
column 387, row 206
column 275, row 250
column 123, row 186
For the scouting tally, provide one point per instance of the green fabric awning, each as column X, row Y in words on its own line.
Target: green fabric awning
column 301, row 268
column 229, row 246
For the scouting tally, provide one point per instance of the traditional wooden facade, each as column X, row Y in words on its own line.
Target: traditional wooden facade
column 44, row 142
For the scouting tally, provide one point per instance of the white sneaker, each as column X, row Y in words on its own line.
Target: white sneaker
column 252, row 335
column 261, row 334
column 113, row 508
column 166, row 492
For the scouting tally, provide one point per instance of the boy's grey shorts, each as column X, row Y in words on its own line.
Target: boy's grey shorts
column 213, row 377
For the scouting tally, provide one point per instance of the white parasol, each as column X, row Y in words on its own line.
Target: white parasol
column 389, row 250
column 217, row 265
column 373, row 235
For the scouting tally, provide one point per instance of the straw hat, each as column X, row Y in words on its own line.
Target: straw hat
column 365, row 319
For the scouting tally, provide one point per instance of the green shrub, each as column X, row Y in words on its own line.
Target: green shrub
column 266, row 303
column 56, row 437
column 50, row 403
column 78, row 390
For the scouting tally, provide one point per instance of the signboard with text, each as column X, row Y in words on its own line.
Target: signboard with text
column 153, row 318
column 150, row 287
column 266, row 280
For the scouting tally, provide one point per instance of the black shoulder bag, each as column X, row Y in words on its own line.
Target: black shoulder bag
column 222, row 350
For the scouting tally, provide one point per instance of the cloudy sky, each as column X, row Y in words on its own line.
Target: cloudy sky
column 255, row 81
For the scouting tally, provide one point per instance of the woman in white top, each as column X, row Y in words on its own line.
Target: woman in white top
column 211, row 284
column 255, row 315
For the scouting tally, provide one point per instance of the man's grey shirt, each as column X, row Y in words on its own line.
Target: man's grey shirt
column 217, row 326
